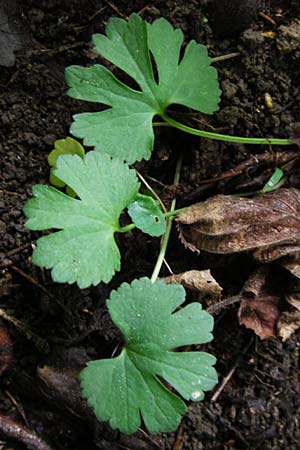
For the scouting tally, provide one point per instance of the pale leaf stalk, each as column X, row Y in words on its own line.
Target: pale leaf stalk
column 224, row 137
column 166, row 236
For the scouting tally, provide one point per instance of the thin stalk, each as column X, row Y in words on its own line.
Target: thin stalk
column 129, row 227
column 151, row 190
column 224, row 137
column 166, row 236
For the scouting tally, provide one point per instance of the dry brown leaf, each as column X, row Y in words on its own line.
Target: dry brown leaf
column 259, row 308
column 267, row 224
column 198, row 280
column 288, row 323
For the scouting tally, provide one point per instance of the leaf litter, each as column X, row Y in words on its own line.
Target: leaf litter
column 267, row 226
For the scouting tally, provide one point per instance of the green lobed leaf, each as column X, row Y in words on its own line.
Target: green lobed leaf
column 125, row 129
column 128, row 386
column 147, row 215
column 84, row 250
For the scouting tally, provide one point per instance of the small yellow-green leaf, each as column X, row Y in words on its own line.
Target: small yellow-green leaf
column 67, row 146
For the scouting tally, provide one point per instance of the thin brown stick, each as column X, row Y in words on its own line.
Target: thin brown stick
column 14, row 430
column 267, row 18
column 151, row 190
column 224, row 57
column 41, row 344
column 230, row 373
column 14, row 251
column 41, row 287
column 218, row 307
column 115, row 8
column 178, row 440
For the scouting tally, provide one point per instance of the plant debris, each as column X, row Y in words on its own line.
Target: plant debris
column 200, row 281
column 259, row 307
column 267, row 224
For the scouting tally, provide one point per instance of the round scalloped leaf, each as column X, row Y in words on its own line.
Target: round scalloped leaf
column 125, row 130
column 125, row 388
column 84, row 249
column 147, row 215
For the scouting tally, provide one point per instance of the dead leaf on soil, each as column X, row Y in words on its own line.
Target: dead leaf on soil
column 267, row 224
column 259, row 307
column 288, row 323
column 200, row 281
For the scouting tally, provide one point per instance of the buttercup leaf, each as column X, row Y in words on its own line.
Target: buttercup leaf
column 147, row 215
column 126, row 387
column 125, row 129
column 84, row 250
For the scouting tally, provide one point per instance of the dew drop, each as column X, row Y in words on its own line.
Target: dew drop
column 195, row 395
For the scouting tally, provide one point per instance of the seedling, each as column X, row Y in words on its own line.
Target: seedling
column 84, row 249
column 123, row 388
column 125, row 130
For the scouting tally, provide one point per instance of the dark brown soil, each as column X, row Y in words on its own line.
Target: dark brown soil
column 259, row 405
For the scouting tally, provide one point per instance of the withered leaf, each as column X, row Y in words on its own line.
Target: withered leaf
column 259, row 308
column 267, row 224
column 289, row 320
column 198, row 280
column 288, row 323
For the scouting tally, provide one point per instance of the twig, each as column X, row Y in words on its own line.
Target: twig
column 116, row 9
column 178, row 440
column 151, row 190
column 5, row 192
column 149, row 438
column 14, row 430
column 41, row 287
column 225, row 381
column 99, row 11
column 267, row 18
column 224, row 57
column 18, row 406
column 218, row 307
column 41, row 344
column 231, row 372
column 17, row 250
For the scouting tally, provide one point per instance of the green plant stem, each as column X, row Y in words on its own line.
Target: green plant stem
column 166, row 236
column 129, row 227
column 224, row 137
